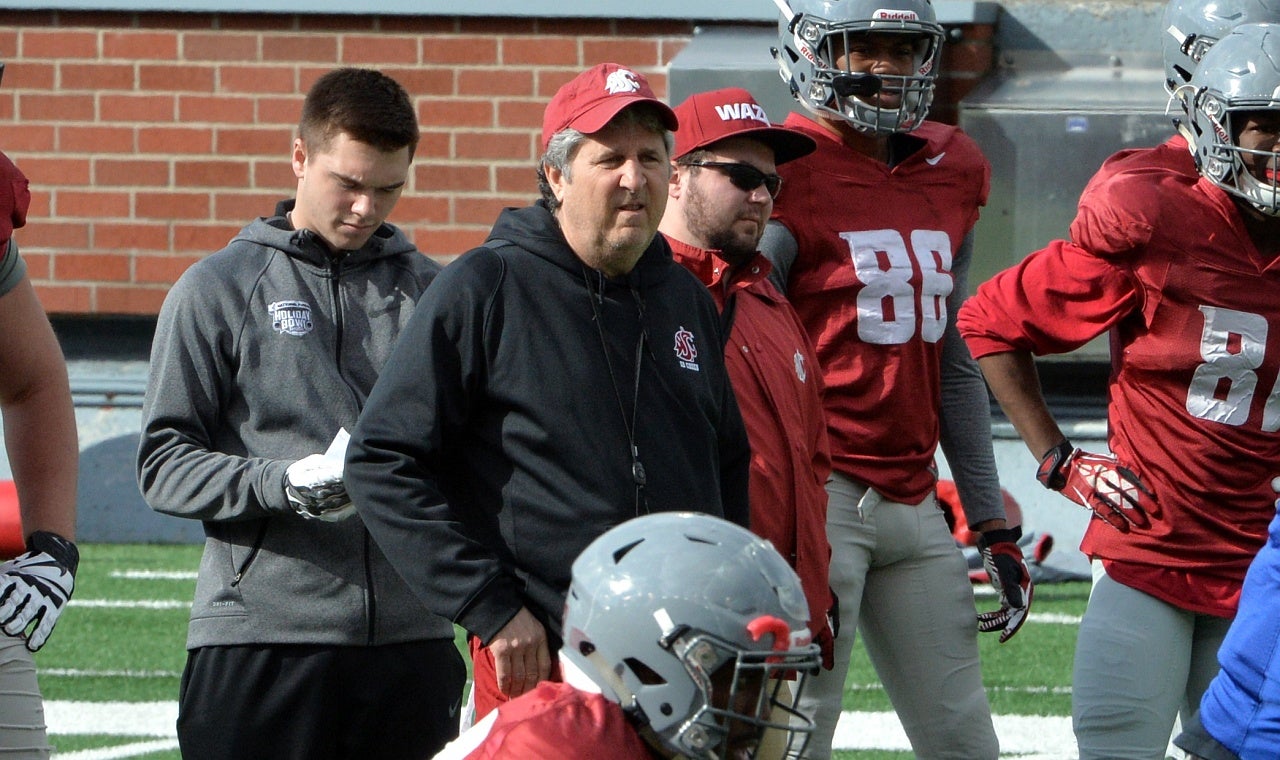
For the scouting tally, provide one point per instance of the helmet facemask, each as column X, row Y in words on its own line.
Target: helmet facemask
column 815, row 63
column 1242, row 172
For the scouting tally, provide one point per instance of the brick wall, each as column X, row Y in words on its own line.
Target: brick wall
column 151, row 138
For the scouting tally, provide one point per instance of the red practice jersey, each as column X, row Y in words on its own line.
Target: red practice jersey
column 554, row 720
column 1162, row 259
column 870, row 282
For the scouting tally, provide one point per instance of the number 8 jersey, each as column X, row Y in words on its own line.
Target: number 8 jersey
column 878, row 251
column 1162, row 259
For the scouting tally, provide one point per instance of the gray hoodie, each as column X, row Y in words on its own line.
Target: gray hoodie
column 262, row 352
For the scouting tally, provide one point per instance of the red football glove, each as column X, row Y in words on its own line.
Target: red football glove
column 1003, row 560
column 1100, row 483
column 15, row 198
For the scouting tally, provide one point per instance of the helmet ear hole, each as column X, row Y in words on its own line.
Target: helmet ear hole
column 646, row 675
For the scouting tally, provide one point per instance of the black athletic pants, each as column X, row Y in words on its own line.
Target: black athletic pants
column 320, row 702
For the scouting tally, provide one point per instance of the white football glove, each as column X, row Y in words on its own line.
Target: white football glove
column 315, row 489
column 36, row 585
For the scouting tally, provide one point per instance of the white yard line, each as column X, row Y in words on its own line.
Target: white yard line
column 132, row 604
column 154, row 575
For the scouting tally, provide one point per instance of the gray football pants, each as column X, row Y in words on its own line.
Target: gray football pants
column 1139, row 663
column 22, row 726
column 903, row 585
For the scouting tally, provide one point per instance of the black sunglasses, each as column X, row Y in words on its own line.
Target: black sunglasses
column 743, row 176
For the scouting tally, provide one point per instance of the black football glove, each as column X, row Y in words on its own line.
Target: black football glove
column 1007, row 569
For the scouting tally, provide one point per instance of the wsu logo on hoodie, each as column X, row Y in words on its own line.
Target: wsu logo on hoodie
column 686, row 350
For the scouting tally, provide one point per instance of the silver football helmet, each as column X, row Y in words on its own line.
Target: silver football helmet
column 1239, row 74
column 1191, row 27
column 688, row 622
column 813, row 39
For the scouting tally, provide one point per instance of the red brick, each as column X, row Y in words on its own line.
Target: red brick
column 64, row 299
column 482, row 210
column 92, row 267
column 172, row 205
column 29, row 74
column 299, row 47
column 135, row 300
column 55, row 107
column 463, row 49
column 175, row 21
column 435, row 144
column 257, row 80
column 657, row 28
column 638, row 53
column 242, row 207
column 491, row 27
column 38, row 264
column 670, row 48
column 136, row 109
column 221, row 46
column 131, row 236
column 576, row 27
column 338, row 23
column 424, row 80
column 540, row 51
column 421, row 209
column 60, row 43
column 92, row 204
column 274, row 141
column 179, row 140
column 95, row 76
column 130, row 172
column 510, row 180
column 450, row 242
column 280, row 110
column 420, row 25
column 55, row 170
column 201, row 238
column 76, row 139
column 216, row 108
column 256, row 22
column 165, row 78
column 550, row 80
column 440, row 177
column 358, row 50
column 495, row 81
column 210, row 173
column 139, row 46
column 275, row 175
column 161, row 269
column 508, row 145
column 456, row 112
column 60, row 235
column 527, row 113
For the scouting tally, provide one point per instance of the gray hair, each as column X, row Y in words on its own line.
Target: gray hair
column 563, row 146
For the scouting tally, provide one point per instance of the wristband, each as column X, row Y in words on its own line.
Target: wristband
column 1050, row 471
column 63, row 551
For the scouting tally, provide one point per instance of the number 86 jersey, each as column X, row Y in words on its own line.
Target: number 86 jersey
column 1163, row 260
column 878, row 259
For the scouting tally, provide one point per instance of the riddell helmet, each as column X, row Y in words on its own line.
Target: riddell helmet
column 811, row 41
column 1238, row 74
column 683, row 619
column 1190, row 27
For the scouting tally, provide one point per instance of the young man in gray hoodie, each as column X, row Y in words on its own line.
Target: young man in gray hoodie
column 303, row 641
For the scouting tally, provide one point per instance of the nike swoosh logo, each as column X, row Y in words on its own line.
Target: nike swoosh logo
column 453, row 708
column 933, row 161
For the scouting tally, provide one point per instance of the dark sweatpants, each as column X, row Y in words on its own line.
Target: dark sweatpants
column 320, row 702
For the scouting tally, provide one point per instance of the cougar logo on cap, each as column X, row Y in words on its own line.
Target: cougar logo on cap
column 621, row 81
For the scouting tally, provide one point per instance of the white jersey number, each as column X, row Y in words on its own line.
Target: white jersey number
column 888, row 303
column 1232, row 346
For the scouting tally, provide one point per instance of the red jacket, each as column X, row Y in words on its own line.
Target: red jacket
column 776, row 378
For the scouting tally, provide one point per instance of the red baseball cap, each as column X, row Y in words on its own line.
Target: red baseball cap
column 709, row 117
column 590, row 100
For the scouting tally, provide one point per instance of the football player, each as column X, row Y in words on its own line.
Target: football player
column 657, row 666
column 871, row 241
column 1182, row 271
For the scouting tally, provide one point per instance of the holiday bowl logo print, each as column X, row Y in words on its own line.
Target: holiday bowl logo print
column 686, row 349
column 290, row 317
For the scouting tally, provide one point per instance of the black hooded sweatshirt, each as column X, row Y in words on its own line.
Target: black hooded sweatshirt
column 510, row 426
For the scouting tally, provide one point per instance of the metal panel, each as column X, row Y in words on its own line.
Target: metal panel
column 1045, row 132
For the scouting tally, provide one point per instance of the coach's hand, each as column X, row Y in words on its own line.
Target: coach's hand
column 315, row 488
column 521, row 658
column 1098, row 482
column 36, row 585
column 1007, row 569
